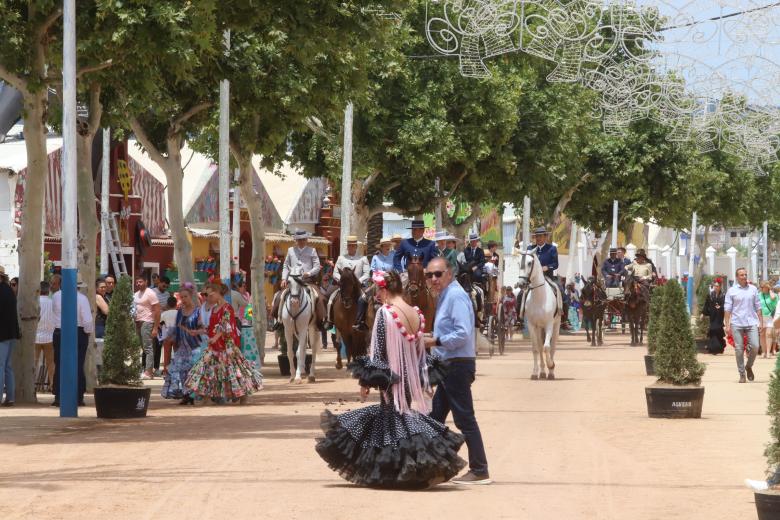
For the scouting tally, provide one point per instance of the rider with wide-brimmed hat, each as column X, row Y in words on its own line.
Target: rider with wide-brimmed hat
column 357, row 263
column 450, row 251
column 545, row 251
column 613, row 269
column 417, row 246
column 474, row 258
column 305, row 256
column 641, row 267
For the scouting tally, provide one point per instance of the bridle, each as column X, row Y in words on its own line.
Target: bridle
column 527, row 277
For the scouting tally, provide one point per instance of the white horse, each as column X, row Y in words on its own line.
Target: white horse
column 542, row 308
column 299, row 319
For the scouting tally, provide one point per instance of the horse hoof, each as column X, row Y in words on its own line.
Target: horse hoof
column 534, row 377
column 292, row 380
column 542, row 376
column 339, row 365
column 551, row 377
column 298, row 381
column 311, row 379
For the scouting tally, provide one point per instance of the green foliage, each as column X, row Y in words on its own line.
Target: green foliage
column 675, row 351
column 772, row 451
column 656, row 305
column 122, row 347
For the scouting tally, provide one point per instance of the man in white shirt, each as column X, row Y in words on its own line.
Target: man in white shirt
column 305, row 257
column 44, row 343
column 360, row 267
column 85, row 324
column 147, row 322
column 742, row 315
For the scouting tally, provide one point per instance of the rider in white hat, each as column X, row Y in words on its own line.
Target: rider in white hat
column 306, row 256
column 358, row 264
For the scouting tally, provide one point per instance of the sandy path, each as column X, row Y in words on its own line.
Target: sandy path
column 580, row 447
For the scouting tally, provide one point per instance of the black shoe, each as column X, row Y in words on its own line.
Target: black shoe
column 8, row 403
column 360, row 326
column 55, row 403
column 750, row 375
column 472, row 479
column 82, row 403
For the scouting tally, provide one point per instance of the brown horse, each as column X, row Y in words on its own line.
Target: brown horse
column 344, row 314
column 594, row 301
column 417, row 293
column 636, row 307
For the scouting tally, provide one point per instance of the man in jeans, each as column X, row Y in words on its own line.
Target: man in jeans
column 161, row 291
column 454, row 341
column 743, row 317
column 147, row 322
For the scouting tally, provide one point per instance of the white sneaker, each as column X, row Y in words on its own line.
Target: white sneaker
column 756, row 485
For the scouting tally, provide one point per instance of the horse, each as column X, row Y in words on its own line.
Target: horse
column 594, row 301
column 299, row 318
column 417, row 294
column 542, row 309
column 475, row 292
column 344, row 315
column 637, row 303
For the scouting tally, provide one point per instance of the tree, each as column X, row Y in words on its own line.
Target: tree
column 300, row 63
column 675, row 351
column 420, row 120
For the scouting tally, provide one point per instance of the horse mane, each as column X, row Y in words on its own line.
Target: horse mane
column 352, row 285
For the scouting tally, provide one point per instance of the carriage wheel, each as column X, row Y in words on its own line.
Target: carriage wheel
column 491, row 334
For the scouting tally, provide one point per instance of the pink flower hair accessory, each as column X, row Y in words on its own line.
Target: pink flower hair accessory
column 379, row 279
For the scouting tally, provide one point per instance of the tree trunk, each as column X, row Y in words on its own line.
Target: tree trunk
column 375, row 224
column 87, row 237
column 182, row 249
column 31, row 244
column 359, row 213
column 460, row 230
column 257, row 265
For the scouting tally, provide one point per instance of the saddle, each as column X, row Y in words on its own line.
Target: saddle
column 556, row 290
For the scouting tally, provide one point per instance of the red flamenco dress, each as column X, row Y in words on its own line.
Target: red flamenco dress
column 223, row 372
column 393, row 444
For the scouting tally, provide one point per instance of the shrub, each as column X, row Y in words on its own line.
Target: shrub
column 121, row 345
column 656, row 303
column 675, row 351
column 772, row 451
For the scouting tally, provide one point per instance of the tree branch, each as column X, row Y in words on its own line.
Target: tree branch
column 457, row 184
column 145, row 141
column 47, row 22
column 94, row 68
column 189, row 114
column 12, row 79
column 565, row 199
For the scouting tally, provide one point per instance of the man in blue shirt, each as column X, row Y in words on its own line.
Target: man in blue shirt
column 742, row 315
column 546, row 252
column 415, row 246
column 454, row 341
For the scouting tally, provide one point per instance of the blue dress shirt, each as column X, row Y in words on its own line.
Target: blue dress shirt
column 454, row 325
column 425, row 249
column 382, row 262
column 548, row 257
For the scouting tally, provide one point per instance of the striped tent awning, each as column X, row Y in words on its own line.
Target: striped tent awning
column 145, row 186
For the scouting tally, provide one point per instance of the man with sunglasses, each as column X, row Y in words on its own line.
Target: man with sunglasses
column 453, row 340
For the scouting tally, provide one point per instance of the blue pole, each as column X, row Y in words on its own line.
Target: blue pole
column 68, row 347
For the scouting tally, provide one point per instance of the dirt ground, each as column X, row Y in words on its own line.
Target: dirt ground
column 580, row 447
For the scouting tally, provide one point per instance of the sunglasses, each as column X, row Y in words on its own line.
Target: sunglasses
column 432, row 274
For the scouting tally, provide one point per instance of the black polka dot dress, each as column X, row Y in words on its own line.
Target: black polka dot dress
column 378, row 446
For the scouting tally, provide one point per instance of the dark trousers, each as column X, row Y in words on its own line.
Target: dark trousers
column 83, row 342
column 454, row 395
column 157, row 351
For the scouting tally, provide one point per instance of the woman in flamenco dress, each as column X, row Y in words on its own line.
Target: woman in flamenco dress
column 393, row 444
column 223, row 373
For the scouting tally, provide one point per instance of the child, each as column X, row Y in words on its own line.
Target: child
column 510, row 310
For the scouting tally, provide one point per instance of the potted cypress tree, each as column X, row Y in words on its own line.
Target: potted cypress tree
column 656, row 303
column 678, row 392
column 768, row 501
column 121, row 394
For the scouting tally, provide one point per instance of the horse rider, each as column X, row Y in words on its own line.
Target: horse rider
column 416, row 246
column 441, row 244
column 546, row 252
column 450, row 252
column 642, row 268
column 396, row 241
column 359, row 266
column 613, row 270
column 305, row 256
column 621, row 254
column 474, row 257
column 383, row 259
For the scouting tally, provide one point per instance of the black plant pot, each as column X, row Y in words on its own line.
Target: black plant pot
column 112, row 402
column 767, row 505
column 669, row 402
column 284, row 364
column 650, row 364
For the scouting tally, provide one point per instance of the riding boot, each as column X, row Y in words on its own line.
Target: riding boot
column 360, row 319
column 275, row 314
